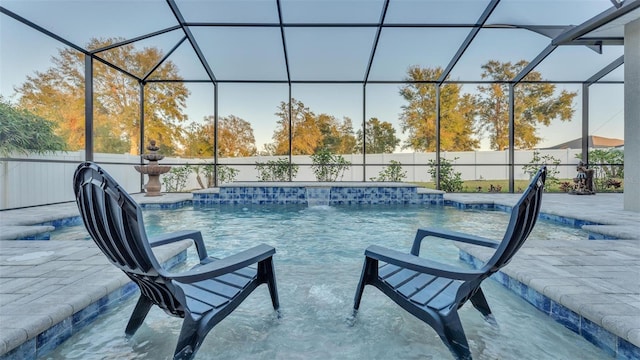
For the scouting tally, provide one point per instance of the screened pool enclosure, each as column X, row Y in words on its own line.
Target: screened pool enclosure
column 364, row 90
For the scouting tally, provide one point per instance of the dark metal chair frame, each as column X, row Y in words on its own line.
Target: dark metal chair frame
column 432, row 291
column 203, row 295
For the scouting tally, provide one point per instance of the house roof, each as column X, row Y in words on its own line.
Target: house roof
column 594, row 142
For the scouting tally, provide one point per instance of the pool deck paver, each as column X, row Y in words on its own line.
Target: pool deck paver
column 44, row 282
column 599, row 280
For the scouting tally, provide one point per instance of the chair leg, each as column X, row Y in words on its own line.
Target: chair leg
column 139, row 314
column 480, row 302
column 270, row 277
column 190, row 339
column 369, row 269
column 453, row 336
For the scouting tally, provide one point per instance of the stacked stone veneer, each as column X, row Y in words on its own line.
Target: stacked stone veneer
column 318, row 194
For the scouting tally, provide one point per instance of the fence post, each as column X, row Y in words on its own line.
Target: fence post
column 5, row 185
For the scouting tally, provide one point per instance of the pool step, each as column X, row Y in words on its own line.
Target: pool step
column 50, row 291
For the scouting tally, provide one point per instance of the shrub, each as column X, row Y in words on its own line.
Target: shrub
column 176, row 179
column 607, row 164
column 566, row 186
column 276, row 170
column 549, row 160
column 393, row 172
column 613, row 183
column 450, row 180
column 207, row 171
column 227, row 174
column 327, row 166
column 24, row 132
column 495, row 189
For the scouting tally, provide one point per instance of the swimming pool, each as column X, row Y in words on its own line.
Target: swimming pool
column 318, row 262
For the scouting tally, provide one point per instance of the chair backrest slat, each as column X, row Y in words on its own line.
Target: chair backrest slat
column 109, row 220
column 521, row 222
column 160, row 295
column 92, row 208
column 125, row 225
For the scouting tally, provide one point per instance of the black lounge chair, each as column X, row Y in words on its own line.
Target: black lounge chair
column 203, row 296
column 433, row 292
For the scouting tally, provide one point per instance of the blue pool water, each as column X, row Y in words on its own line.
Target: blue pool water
column 318, row 263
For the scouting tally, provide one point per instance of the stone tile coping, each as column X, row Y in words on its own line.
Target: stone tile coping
column 26, row 232
column 51, row 289
column 419, row 190
column 314, row 184
column 601, row 215
column 30, row 223
column 593, row 289
column 369, row 184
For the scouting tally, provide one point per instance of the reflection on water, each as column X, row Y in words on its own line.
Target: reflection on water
column 318, row 262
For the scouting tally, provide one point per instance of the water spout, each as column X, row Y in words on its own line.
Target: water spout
column 318, row 196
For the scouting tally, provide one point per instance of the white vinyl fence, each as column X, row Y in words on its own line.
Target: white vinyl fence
column 29, row 182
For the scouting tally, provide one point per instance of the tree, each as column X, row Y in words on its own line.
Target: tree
column 418, row 117
column 198, row 139
column 305, row 135
column 235, row 138
column 348, row 140
column 337, row 137
column 311, row 132
column 535, row 103
column 24, row 132
column 380, row 137
column 58, row 94
column 268, row 149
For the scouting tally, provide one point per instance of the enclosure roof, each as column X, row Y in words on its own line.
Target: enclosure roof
column 345, row 41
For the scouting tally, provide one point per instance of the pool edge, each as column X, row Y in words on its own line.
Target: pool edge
column 46, row 340
column 618, row 347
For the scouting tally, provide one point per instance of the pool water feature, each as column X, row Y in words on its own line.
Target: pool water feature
column 318, row 263
column 318, row 196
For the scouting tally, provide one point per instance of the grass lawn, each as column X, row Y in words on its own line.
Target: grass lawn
column 485, row 185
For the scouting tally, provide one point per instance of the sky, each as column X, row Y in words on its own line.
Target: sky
column 322, row 54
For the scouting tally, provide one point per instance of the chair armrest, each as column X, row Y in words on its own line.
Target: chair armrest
column 450, row 235
column 168, row 238
column 419, row 264
column 225, row 265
